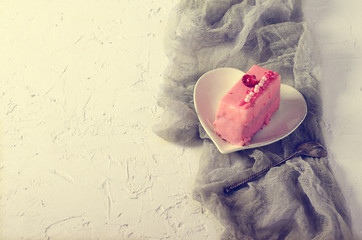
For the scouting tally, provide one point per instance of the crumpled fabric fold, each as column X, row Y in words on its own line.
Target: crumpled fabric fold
column 297, row 200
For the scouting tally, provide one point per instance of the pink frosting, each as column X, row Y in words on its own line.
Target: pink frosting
column 244, row 110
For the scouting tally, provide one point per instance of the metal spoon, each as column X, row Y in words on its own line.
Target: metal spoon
column 309, row 149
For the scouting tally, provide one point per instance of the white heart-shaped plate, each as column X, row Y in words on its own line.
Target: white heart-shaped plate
column 213, row 85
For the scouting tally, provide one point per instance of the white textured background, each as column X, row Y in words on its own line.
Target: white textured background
column 78, row 85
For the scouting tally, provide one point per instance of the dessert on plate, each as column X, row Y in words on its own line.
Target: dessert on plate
column 248, row 106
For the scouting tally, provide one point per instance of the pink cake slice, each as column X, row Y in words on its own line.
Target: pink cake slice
column 248, row 106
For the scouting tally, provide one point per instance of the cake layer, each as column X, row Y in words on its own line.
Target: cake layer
column 248, row 106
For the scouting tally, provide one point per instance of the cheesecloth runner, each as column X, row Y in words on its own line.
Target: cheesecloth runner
column 297, row 200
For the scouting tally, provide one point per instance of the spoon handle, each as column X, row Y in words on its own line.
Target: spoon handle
column 258, row 174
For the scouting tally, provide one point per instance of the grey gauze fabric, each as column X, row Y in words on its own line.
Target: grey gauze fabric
column 297, row 200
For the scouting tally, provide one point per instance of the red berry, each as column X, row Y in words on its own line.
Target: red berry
column 249, row 80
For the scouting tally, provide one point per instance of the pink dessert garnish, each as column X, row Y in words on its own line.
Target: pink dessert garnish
column 269, row 75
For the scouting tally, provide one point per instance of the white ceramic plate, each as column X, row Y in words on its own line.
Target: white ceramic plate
column 213, row 85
